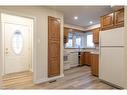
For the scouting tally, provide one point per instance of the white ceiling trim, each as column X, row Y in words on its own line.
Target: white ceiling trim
column 74, row 27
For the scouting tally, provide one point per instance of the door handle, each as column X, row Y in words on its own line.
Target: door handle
column 6, row 52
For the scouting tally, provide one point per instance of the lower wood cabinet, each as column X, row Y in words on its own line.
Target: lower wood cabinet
column 82, row 58
column 90, row 59
column 95, row 64
column 85, row 58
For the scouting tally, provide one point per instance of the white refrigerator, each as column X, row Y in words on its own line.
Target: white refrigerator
column 111, row 65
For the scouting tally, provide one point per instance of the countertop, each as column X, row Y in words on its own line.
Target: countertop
column 95, row 52
column 92, row 52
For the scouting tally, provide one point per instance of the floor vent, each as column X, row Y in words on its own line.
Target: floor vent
column 52, row 81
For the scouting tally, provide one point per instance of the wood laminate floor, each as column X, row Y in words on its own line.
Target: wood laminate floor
column 75, row 78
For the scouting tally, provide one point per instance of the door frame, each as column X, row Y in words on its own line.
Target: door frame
column 33, row 59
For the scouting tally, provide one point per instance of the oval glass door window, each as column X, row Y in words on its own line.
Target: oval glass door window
column 17, row 42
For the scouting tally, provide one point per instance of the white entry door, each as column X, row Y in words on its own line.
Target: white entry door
column 17, row 48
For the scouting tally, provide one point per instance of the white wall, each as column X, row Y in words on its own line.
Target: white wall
column 0, row 54
column 125, row 24
column 41, row 28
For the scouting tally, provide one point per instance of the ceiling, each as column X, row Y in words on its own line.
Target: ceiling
column 85, row 14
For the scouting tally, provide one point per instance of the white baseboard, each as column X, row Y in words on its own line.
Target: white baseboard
column 48, row 79
column 31, row 70
column 74, row 65
column 39, row 81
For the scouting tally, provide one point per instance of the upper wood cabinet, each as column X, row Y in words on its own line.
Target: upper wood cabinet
column 66, row 31
column 119, row 17
column 107, row 21
column 87, row 58
column 113, row 20
column 96, row 35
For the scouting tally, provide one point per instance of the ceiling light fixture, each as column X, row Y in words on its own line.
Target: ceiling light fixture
column 75, row 17
column 91, row 22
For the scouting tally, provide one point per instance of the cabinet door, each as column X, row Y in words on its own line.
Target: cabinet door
column 119, row 17
column 54, row 28
column 107, row 21
column 96, row 35
column 87, row 58
column 53, row 47
column 94, row 64
column 53, row 58
column 66, row 31
column 82, row 58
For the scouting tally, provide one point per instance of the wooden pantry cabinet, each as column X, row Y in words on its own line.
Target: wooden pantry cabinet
column 53, row 46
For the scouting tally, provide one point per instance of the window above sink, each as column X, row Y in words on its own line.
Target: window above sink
column 75, row 40
column 80, row 40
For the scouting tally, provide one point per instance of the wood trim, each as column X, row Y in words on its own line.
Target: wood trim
column 120, row 25
column 119, row 9
column 107, row 14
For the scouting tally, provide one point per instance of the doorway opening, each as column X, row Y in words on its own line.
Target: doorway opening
column 17, row 41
